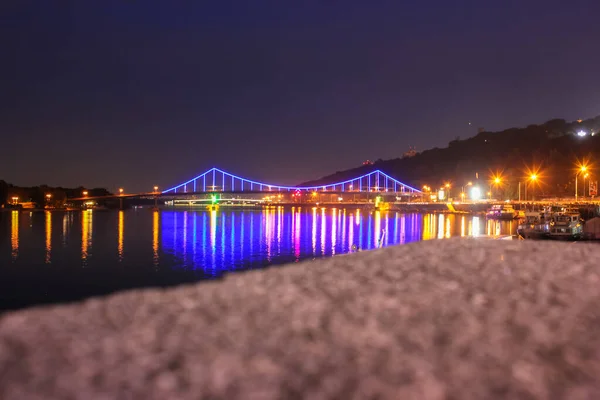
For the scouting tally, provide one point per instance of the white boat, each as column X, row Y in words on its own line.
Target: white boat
column 502, row 211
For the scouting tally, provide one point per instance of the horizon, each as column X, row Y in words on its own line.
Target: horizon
column 274, row 183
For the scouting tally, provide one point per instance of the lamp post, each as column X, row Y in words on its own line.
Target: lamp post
column 48, row 198
column 155, row 196
column 463, row 188
column 584, row 176
column 15, row 200
column 582, row 169
column 533, row 178
column 121, row 198
column 497, row 182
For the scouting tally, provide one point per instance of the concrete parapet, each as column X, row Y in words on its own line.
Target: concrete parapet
column 456, row 318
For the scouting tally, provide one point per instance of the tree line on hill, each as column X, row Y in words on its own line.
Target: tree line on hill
column 552, row 151
column 38, row 195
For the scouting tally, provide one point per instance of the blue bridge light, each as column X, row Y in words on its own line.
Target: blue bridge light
column 245, row 184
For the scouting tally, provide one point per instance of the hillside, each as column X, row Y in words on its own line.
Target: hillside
column 552, row 149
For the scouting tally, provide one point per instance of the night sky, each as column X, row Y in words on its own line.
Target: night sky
column 137, row 93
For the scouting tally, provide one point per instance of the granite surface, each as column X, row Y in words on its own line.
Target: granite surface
column 443, row 319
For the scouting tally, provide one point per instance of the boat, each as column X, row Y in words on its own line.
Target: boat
column 502, row 211
column 566, row 225
column 536, row 225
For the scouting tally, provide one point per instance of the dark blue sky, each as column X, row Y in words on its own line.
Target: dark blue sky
column 137, row 93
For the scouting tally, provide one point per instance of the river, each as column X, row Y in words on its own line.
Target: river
column 53, row 257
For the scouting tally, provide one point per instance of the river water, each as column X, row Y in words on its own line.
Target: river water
column 50, row 257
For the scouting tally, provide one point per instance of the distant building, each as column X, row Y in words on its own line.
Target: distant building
column 368, row 162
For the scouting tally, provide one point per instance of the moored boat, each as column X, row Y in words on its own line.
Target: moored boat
column 502, row 211
column 566, row 226
column 535, row 226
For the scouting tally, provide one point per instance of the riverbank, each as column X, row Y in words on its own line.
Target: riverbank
column 457, row 318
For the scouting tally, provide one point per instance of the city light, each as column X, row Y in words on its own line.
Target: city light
column 581, row 133
column 48, row 196
column 120, row 190
column 85, row 192
column 475, row 193
column 582, row 169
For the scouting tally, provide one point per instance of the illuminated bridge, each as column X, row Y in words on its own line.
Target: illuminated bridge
column 217, row 180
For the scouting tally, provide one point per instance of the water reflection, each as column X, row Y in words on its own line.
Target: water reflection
column 65, row 227
column 333, row 231
column 48, row 257
column 297, row 236
column 86, row 234
column 217, row 240
column 14, row 234
column 121, row 229
column 475, row 228
column 155, row 232
column 314, row 231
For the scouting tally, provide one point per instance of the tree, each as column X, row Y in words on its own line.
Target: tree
column 3, row 193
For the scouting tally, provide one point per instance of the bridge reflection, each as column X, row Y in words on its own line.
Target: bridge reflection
column 216, row 241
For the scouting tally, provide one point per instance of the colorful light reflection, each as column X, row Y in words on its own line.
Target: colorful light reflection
column 239, row 239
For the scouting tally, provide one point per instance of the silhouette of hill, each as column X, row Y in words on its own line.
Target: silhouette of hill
column 551, row 149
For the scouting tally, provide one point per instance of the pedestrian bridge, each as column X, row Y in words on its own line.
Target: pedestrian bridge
column 217, row 180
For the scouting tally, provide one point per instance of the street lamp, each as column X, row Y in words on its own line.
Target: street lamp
column 15, row 200
column 468, row 184
column 582, row 169
column 85, row 192
column 121, row 191
column 155, row 197
column 533, row 178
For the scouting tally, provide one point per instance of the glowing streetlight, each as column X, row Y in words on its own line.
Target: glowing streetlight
column 582, row 170
column 85, row 192
column 155, row 189
column 121, row 191
column 447, row 186
column 15, row 199
column 533, row 178
column 48, row 196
